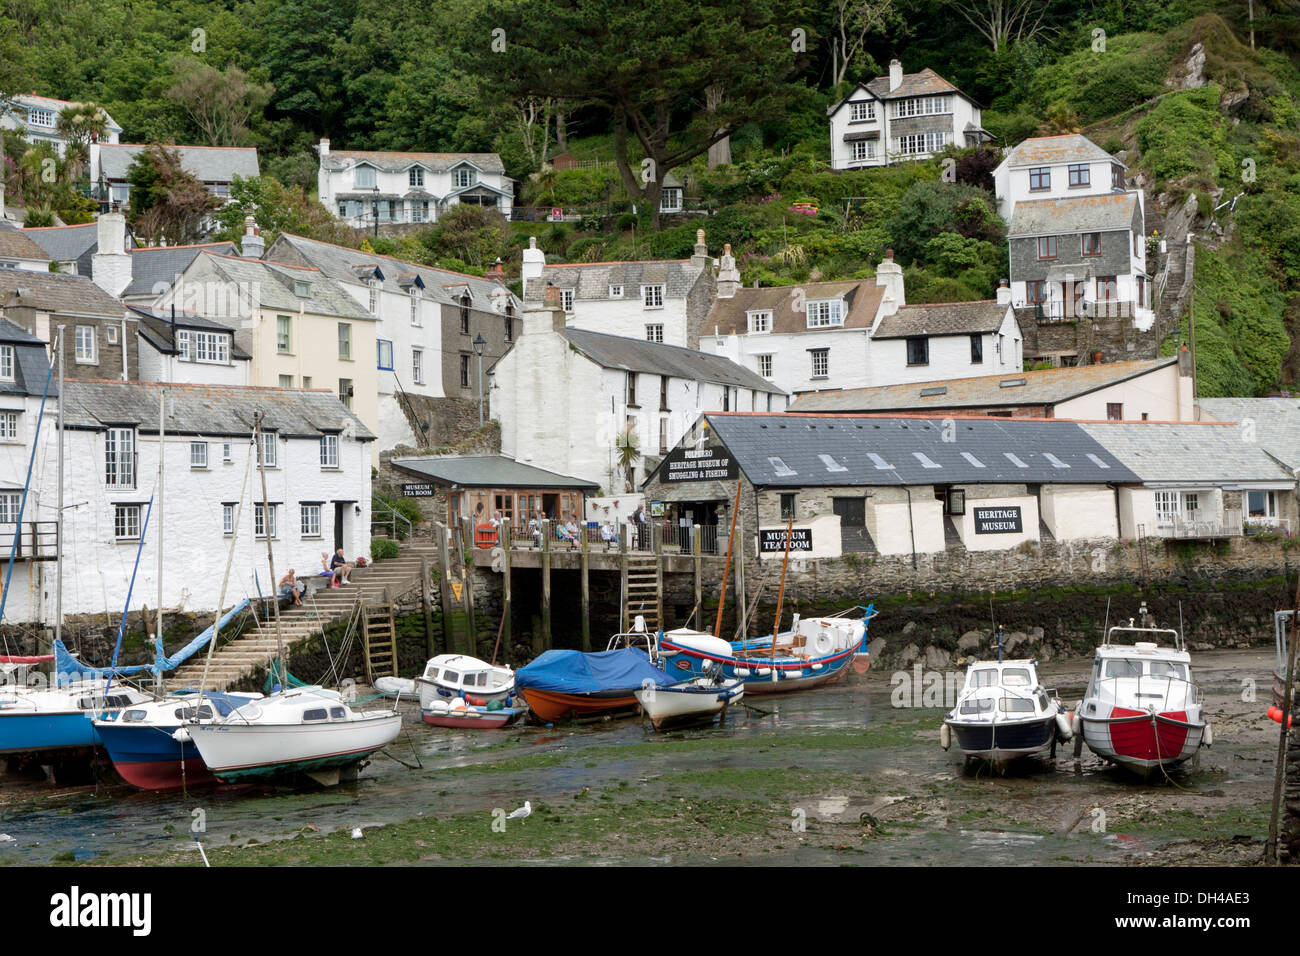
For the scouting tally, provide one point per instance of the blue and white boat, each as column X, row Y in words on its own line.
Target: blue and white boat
column 1003, row 713
column 813, row 652
column 41, row 721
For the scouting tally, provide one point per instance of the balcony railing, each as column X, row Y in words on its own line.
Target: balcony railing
column 1183, row 527
column 37, row 541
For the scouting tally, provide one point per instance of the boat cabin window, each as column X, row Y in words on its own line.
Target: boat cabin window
column 336, row 713
column 985, row 678
column 431, row 673
column 1015, row 675
column 980, row 705
column 133, row 716
column 476, row 680
column 1167, row 669
column 1123, row 668
column 315, row 714
column 451, row 677
column 1042, row 702
column 187, row 713
column 123, row 700
column 85, row 703
column 1015, row 705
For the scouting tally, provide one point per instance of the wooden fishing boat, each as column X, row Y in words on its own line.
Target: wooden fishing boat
column 564, row 684
column 460, row 713
column 449, row 676
column 689, row 701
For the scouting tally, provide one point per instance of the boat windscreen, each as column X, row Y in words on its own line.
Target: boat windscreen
column 1167, row 669
column 977, row 705
column 1015, row 705
column 1123, row 667
column 1015, row 675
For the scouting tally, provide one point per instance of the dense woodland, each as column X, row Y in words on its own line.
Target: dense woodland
column 730, row 98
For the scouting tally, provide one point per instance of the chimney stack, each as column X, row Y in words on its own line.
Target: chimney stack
column 889, row 274
column 324, row 148
column 728, row 274
column 110, row 266
column 700, row 256
column 548, row 316
column 253, row 246
column 895, row 74
column 496, row 272
column 534, row 263
column 1004, row 293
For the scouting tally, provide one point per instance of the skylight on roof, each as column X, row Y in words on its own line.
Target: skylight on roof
column 1014, row 460
column 972, row 459
column 1056, row 462
column 1012, row 383
column 937, row 390
column 831, row 464
column 925, row 460
column 1097, row 461
column 781, row 468
column 880, row 463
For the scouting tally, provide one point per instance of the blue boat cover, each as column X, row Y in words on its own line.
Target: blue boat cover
column 573, row 672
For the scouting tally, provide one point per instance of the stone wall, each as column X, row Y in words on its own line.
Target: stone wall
column 1115, row 337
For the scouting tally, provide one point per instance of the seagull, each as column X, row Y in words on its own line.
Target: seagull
column 6, row 838
column 356, row 833
column 522, row 814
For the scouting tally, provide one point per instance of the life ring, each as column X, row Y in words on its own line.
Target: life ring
column 823, row 643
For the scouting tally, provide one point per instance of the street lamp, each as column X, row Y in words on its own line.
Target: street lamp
column 479, row 343
column 375, row 203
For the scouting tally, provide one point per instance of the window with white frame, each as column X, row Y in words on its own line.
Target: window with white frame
column 8, row 426
column 465, row 177
column 283, row 340
column 652, row 296
column 1166, row 507
column 825, row 313
column 110, row 334
column 385, row 348
column 309, row 526
column 566, row 300
column 212, row 348
column 36, row 116
column 864, row 149
column 1261, row 506
column 259, row 520
column 654, row 333
column 198, row 454
column 417, row 366
column 922, row 106
column 821, row 362
column 119, row 458
column 765, row 366
column 302, row 288
column 329, row 451
column 759, row 321
column 415, row 305
column 6, row 363
column 616, row 292
column 918, row 144
column 10, row 501
column 126, row 522
column 86, row 345
column 268, row 449
column 227, row 519
column 415, row 178
column 863, row 112
column 345, row 341
column 227, row 452
column 286, row 381
column 373, row 305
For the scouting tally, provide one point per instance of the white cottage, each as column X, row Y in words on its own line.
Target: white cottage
column 37, row 119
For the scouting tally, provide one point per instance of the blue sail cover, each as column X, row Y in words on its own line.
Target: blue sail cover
column 200, row 642
column 573, row 672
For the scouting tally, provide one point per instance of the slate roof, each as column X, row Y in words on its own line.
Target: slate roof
column 487, row 471
column 153, row 265
column 208, row 409
column 31, row 362
column 914, row 84
column 1188, row 454
column 50, row 103
column 654, row 358
column 55, row 292
column 274, row 285
column 1274, row 421
column 1043, row 387
column 1054, row 217
column 337, row 159
column 730, row 316
column 1055, row 150
column 68, row 243
column 762, row 443
column 344, row 264
column 591, row 280
column 943, row 318
column 16, row 244
column 156, row 327
column 208, row 164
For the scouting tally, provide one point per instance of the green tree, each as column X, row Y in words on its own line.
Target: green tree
column 277, row 208
column 167, row 203
column 220, row 103
column 80, row 124
column 931, row 207
column 475, row 235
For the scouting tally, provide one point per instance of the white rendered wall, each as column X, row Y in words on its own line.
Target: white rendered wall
column 628, row 317
column 965, row 523
column 1079, row 512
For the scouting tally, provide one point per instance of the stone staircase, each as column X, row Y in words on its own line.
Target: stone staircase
column 375, row 586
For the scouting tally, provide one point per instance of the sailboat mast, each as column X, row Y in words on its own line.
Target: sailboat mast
column 780, row 595
column 162, row 449
column 726, row 569
column 270, row 557
column 58, row 504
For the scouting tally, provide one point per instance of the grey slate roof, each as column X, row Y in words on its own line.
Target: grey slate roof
column 942, row 318
column 638, row 355
column 1054, row 150
column 395, row 162
column 1043, row 387
column 26, row 100
column 54, row 292
column 162, row 264
column 760, row 443
column 487, row 471
column 344, row 264
column 16, row 244
column 156, row 327
column 1275, row 422
column 731, row 315
column 1188, row 454
column 68, row 243
column 1055, row 217
column 207, row 164
column 31, row 362
column 591, row 280
column 208, row 409
column 274, row 285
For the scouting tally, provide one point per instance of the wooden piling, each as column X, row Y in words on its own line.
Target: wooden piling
column 699, row 576
column 444, row 587
column 426, row 603
column 546, row 585
column 584, row 561
column 505, row 595
column 622, row 578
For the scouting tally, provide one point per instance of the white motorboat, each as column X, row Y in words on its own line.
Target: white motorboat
column 690, row 701
column 448, row 676
column 1003, row 712
column 1142, row 710
column 307, row 730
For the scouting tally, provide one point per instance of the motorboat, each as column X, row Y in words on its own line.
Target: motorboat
column 449, row 676
column 40, row 720
column 1003, row 712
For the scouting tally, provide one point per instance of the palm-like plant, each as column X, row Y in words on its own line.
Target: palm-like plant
column 627, row 447
column 80, row 124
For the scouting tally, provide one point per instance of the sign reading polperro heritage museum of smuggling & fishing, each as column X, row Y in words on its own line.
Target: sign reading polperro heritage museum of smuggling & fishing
column 1004, row 520
column 699, row 464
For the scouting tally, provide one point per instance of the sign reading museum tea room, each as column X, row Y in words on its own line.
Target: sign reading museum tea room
column 699, row 464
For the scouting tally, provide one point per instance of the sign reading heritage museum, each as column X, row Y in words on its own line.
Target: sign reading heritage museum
column 419, row 489
column 699, row 464
column 998, row 520
column 773, row 540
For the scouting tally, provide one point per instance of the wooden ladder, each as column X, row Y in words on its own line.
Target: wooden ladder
column 644, row 592
column 379, row 641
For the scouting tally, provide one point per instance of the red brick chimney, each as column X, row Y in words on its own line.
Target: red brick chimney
column 496, row 272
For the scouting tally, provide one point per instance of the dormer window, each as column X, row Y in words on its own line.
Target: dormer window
column 862, row 112
column 825, row 313
column 616, row 292
column 41, row 117
column 302, row 288
column 415, row 305
column 6, row 363
column 1117, row 176
column 464, row 314
column 374, row 296
column 415, row 178
column 760, row 321
column 363, row 177
column 465, row 177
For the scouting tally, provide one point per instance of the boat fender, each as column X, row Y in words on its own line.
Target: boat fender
column 1207, row 739
column 438, row 707
column 818, row 667
column 1064, row 726
column 742, row 671
column 823, row 643
column 476, row 701
column 790, row 675
column 459, row 704
column 945, row 736
column 181, row 736
column 764, row 671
